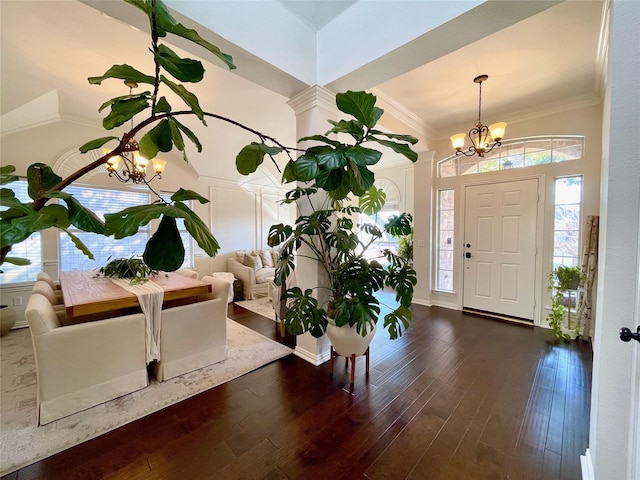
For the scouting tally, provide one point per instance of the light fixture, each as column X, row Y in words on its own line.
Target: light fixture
column 133, row 165
column 483, row 138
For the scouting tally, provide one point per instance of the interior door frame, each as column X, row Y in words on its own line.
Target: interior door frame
column 541, row 228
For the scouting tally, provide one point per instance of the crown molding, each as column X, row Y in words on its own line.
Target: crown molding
column 314, row 97
column 405, row 116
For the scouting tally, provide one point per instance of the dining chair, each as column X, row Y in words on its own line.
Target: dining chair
column 43, row 288
column 80, row 366
column 45, row 277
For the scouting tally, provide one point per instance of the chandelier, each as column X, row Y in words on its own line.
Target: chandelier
column 483, row 138
column 133, row 166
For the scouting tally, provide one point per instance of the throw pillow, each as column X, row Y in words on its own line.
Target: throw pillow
column 240, row 255
column 252, row 261
column 267, row 260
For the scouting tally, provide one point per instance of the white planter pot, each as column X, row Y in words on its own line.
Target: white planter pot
column 7, row 318
column 347, row 341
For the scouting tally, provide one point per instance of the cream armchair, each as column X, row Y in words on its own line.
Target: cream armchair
column 254, row 278
column 194, row 336
column 79, row 366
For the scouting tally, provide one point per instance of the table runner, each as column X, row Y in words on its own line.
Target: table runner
column 150, row 296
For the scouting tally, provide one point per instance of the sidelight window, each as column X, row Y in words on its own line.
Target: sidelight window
column 567, row 220
column 444, row 256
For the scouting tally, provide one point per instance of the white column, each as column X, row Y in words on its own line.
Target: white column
column 313, row 107
column 422, row 224
column 613, row 404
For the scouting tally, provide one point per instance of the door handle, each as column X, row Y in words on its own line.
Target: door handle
column 626, row 335
column 467, row 255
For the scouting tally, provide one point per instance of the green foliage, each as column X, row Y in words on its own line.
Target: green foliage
column 561, row 279
column 330, row 238
column 133, row 268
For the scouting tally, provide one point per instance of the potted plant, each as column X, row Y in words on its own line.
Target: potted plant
column 132, row 268
column 562, row 280
column 327, row 231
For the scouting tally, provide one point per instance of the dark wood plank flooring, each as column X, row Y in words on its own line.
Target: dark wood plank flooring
column 457, row 397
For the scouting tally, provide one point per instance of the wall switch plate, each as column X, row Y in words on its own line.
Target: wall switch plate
column 17, row 301
column 422, row 243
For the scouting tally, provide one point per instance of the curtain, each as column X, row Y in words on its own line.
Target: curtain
column 589, row 267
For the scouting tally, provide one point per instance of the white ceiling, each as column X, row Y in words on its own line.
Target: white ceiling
column 553, row 58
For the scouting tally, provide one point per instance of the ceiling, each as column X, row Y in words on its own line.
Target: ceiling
column 551, row 58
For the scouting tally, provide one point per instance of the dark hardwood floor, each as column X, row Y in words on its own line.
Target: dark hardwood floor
column 457, row 397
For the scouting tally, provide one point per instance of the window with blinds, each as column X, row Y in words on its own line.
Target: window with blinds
column 102, row 201
column 30, row 248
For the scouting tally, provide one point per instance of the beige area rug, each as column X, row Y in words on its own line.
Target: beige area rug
column 22, row 442
column 261, row 306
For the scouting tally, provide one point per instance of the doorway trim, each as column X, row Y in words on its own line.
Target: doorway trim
column 541, row 228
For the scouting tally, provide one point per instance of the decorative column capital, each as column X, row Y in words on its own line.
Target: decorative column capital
column 314, row 97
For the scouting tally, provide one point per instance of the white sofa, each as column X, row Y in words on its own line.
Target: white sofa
column 79, row 366
column 253, row 276
column 194, row 336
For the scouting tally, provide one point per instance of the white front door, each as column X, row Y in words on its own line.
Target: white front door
column 500, row 248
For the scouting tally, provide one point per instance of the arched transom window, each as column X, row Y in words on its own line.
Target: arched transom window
column 520, row 153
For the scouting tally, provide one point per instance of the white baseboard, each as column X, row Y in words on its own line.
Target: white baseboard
column 311, row 357
column 586, row 465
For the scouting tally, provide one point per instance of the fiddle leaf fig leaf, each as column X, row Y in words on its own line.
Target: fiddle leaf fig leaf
column 372, row 201
column 332, row 158
column 127, row 222
column 51, row 215
column 12, row 232
column 80, row 216
column 305, row 167
column 401, row 148
column 97, row 143
column 41, row 178
column 363, row 156
column 361, row 178
column 198, row 230
column 352, row 127
column 190, row 135
column 251, row 157
column 21, row 262
column 183, row 69
column 192, row 35
column 162, row 106
column 16, row 207
column 320, row 138
column 6, row 174
column 403, row 138
column 164, row 250
column 123, row 111
column 183, row 194
column 189, row 98
column 360, row 105
column 78, row 243
column 159, row 138
column 123, row 72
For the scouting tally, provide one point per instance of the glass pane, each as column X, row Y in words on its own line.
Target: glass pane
column 102, row 248
column 568, row 190
column 467, row 165
column 446, row 240
column 446, row 260
column 567, row 217
column 489, row 165
column 565, row 243
column 446, row 199
column 446, row 220
column 448, row 168
column 567, row 150
column 445, row 280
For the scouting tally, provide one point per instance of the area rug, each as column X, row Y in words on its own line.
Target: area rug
column 22, row 442
column 261, row 306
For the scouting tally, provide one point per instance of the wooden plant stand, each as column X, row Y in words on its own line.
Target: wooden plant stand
column 335, row 354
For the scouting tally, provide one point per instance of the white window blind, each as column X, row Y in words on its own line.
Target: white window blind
column 102, row 201
column 31, row 248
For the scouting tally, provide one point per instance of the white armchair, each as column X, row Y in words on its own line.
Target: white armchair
column 194, row 336
column 254, row 281
column 79, row 366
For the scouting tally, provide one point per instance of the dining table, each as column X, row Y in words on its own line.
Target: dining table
column 88, row 295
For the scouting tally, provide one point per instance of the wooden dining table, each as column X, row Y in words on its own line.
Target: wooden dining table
column 89, row 296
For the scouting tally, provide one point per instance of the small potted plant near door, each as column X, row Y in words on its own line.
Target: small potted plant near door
column 329, row 233
column 562, row 280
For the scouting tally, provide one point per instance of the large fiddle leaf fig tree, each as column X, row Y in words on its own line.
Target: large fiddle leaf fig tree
column 333, row 166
